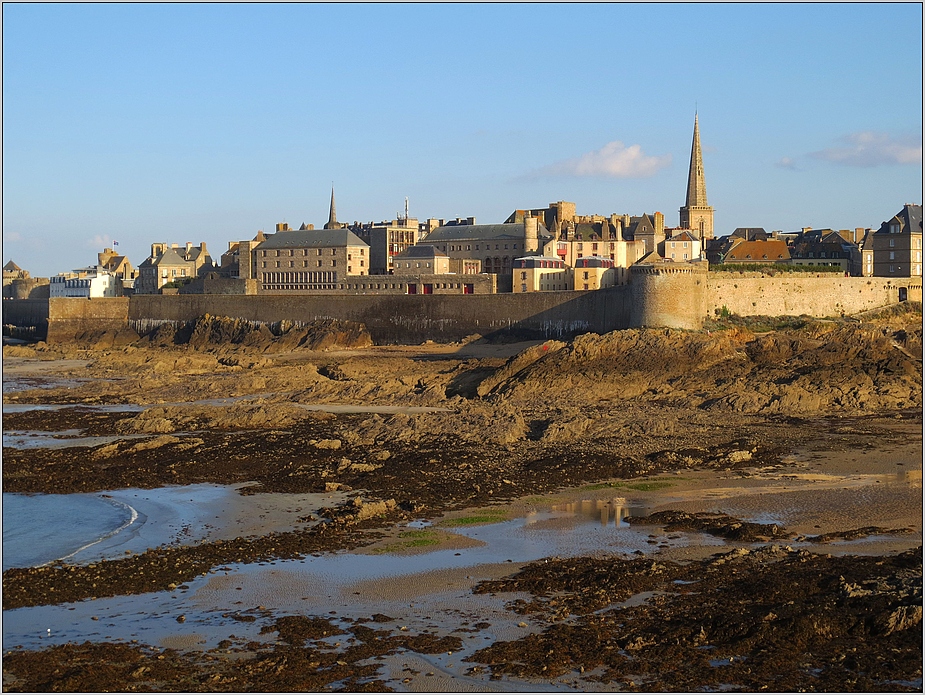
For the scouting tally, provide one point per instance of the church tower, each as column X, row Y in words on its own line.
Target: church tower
column 332, row 222
column 696, row 214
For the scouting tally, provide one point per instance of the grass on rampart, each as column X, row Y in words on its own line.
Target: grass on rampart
column 774, row 268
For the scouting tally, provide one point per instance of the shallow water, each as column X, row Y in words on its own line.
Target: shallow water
column 63, row 439
column 353, row 585
column 39, row 529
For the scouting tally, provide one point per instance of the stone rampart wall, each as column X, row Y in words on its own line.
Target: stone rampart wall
column 410, row 318
column 822, row 296
column 677, row 299
column 70, row 316
column 668, row 297
column 26, row 313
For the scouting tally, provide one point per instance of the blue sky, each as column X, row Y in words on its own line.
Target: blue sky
column 143, row 123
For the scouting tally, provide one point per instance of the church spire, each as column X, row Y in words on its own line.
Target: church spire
column 332, row 216
column 697, row 214
column 696, row 184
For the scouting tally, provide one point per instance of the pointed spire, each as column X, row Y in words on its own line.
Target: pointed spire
column 332, row 216
column 696, row 183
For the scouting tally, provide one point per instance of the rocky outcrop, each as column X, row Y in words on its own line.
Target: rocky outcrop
column 821, row 368
column 216, row 332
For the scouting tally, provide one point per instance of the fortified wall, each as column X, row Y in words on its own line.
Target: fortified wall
column 408, row 318
column 658, row 295
column 824, row 295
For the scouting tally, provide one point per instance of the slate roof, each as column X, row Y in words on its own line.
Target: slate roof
column 685, row 235
column 312, row 238
column 483, row 232
column 422, row 251
column 909, row 218
column 12, row 267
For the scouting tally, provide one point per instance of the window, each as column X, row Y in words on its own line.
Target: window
column 892, row 255
column 319, row 262
column 892, row 243
column 334, row 262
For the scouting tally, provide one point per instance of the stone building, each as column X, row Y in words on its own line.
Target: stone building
column 387, row 240
column 173, row 263
column 896, row 248
column 825, row 247
column 540, row 274
column 593, row 273
column 681, row 245
column 239, row 261
column 309, row 259
column 697, row 214
column 86, row 283
column 118, row 266
column 496, row 245
column 419, row 260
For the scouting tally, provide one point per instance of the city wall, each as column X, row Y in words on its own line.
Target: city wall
column 654, row 297
column 71, row 316
column 409, row 318
column 825, row 295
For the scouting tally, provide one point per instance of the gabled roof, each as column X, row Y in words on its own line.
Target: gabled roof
column 483, row 232
column 909, row 219
column 170, row 257
column 12, row 267
column 641, row 225
column 684, row 235
column 311, row 238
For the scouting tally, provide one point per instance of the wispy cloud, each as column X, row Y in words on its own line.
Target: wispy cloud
column 613, row 160
column 12, row 236
column 99, row 241
column 787, row 163
column 869, row 149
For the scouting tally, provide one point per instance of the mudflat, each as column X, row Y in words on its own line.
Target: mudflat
column 766, row 483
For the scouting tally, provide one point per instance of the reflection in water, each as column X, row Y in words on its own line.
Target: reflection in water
column 610, row 512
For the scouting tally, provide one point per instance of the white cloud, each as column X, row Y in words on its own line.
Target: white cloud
column 99, row 241
column 786, row 163
column 869, row 149
column 12, row 236
column 613, row 160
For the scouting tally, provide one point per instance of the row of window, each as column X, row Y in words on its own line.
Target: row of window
column 304, row 252
column 319, row 264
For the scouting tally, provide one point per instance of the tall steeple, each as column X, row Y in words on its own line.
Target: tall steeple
column 696, row 185
column 332, row 216
column 697, row 214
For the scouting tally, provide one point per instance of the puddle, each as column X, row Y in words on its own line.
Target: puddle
column 63, row 439
column 114, row 408
column 39, row 529
column 18, row 384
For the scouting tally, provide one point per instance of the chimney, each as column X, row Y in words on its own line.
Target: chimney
column 659, row 224
column 531, row 233
column 189, row 246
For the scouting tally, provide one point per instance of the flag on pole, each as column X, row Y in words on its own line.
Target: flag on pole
column 115, row 243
